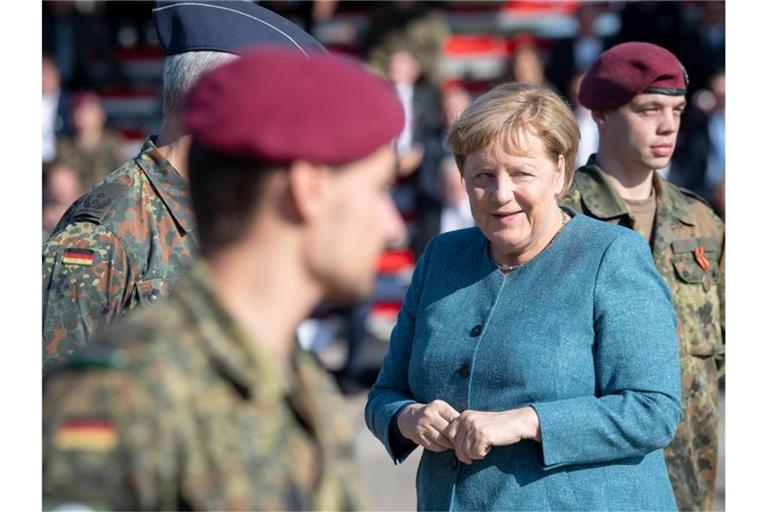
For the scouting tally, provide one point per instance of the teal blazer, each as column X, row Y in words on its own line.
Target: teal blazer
column 584, row 333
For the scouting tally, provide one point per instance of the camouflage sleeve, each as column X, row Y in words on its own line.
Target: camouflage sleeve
column 102, row 446
column 720, row 358
column 86, row 282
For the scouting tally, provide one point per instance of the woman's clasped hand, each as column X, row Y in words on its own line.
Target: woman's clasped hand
column 471, row 434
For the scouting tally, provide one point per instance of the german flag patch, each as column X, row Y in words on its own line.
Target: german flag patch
column 78, row 257
column 86, row 435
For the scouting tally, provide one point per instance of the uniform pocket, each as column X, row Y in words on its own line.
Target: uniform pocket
column 150, row 291
column 695, row 262
column 687, row 270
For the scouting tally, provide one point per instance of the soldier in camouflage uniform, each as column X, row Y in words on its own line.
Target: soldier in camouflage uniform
column 191, row 415
column 203, row 401
column 124, row 242
column 637, row 92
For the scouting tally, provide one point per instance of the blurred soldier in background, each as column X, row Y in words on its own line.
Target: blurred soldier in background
column 202, row 402
column 93, row 149
column 124, row 242
column 61, row 188
column 636, row 92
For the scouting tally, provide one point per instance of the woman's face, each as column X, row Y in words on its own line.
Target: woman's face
column 514, row 197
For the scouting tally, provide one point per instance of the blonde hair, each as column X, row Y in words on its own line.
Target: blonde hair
column 509, row 112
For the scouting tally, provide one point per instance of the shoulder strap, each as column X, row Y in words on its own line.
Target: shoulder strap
column 99, row 202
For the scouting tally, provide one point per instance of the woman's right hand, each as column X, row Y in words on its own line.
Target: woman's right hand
column 425, row 424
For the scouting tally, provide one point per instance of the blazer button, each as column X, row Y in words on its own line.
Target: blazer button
column 153, row 295
column 454, row 463
column 464, row 370
column 476, row 330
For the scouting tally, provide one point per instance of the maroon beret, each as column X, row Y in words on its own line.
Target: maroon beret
column 627, row 69
column 278, row 105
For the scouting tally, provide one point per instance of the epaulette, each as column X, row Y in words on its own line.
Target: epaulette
column 99, row 202
column 691, row 193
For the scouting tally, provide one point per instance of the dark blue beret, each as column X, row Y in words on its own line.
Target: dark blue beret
column 628, row 69
column 277, row 105
column 225, row 27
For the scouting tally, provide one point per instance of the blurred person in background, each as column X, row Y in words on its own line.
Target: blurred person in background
column 124, row 242
column 699, row 161
column 56, row 115
column 93, row 150
column 419, row 145
column 77, row 35
column 704, row 50
column 443, row 204
column 204, row 402
column 456, row 212
column 516, row 362
column 61, row 188
column 636, row 92
column 527, row 67
column 573, row 55
column 421, row 105
column 587, row 126
column 416, row 27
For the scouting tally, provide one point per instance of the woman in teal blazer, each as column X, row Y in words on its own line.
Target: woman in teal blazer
column 535, row 356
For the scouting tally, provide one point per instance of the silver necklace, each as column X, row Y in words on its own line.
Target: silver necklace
column 506, row 269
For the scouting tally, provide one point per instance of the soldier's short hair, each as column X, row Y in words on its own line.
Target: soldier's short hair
column 181, row 72
column 506, row 113
column 225, row 191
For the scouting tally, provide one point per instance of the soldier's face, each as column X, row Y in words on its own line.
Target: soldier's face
column 362, row 220
column 642, row 134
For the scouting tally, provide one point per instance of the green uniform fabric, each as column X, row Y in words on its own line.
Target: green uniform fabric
column 91, row 164
column 190, row 413
column 683, row 224
column 135, row 229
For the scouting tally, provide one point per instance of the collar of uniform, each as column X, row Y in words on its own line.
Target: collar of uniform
column 234, row 355
column 598, row 195
column 669, row 197
column 171, row 186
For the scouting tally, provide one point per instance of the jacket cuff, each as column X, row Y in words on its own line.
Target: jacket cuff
column 398, row 446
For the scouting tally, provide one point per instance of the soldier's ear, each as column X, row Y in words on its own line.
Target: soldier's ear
column 598, row 116
column 308, row 188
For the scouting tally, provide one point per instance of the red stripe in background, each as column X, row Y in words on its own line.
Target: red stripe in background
column 90, row 424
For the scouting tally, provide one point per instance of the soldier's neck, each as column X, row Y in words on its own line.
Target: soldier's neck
column 629, row 182
column 267, row 299
column 173, row 144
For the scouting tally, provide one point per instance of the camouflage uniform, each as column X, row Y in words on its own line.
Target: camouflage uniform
column 120, row 245
column 176, row 408
column 688, row 248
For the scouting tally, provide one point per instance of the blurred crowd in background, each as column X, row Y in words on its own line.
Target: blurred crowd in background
column 102, row 67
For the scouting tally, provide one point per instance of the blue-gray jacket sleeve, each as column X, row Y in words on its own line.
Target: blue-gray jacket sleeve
column 637, row 368
column 392, row 392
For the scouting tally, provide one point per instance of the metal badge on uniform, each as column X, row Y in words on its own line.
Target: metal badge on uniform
column 78, row 257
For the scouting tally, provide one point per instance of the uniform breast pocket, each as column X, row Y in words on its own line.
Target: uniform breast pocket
column 687, row 270
column 696, row 261
column 150, row 291
column 697, row 303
